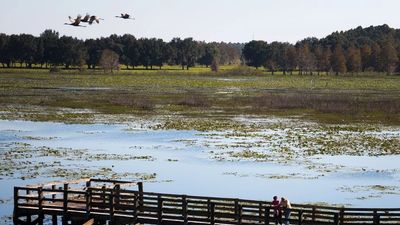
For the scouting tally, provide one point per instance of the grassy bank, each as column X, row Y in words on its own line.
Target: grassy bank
column 68, row 95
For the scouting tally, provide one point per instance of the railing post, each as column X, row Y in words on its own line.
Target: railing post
column 135, row 205
column 300, row 219
column 212, row 213
column 208, row 208
column 313, row 213
column 140, row 189
column 117, row 195
column 40, row 201
column 236, row 206
column 184, row 210
column 236, row 210
column 103, row 196
column 240, row 212
column 160, row 209
column 341, row 216
column 65, row 205
column 267, row 210
column 88, row 196
column 53, row 198
column 336, row 219
column 111, row 205
column 16, row 198
column 376, row 218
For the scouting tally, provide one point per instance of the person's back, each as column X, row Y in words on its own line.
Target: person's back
column 287, row 209
column 286, row 204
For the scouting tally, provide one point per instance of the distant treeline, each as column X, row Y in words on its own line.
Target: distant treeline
column 358, row 50
column 49, row 49
column 374, row 48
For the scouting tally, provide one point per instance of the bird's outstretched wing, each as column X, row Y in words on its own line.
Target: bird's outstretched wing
column 86, row 18
column 77, row 20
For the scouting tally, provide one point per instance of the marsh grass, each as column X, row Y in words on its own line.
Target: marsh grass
column 332, row 103
column 324, row 98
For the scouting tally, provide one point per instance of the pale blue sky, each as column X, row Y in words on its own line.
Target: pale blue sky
column 209, row 20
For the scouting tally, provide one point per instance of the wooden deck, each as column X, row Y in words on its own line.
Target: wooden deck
column 111, row 203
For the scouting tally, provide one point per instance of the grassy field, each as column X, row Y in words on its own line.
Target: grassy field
column 73, row 96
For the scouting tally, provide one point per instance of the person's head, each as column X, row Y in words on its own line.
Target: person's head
column 275, row 198
column 283, row 199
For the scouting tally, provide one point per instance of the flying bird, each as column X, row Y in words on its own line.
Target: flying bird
column 75, row 22
column 94, row 19
column 125, row 16
column 86, row 18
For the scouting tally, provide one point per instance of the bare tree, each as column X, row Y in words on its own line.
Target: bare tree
column 109, row 60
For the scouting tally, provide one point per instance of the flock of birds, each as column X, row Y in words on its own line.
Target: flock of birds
column 90, row 19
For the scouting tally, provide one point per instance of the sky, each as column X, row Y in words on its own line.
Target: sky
column 204, row 20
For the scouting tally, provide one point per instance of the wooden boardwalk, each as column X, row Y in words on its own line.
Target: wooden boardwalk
column 109, row 202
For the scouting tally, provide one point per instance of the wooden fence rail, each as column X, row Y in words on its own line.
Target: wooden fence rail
column 115, row 205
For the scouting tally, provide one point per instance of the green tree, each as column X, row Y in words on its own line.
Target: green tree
column 4, row 59
column 255, row 53
column 186, row 52
column 209, row 53
column 50, row 45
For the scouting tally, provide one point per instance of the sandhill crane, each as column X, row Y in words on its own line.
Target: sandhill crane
column 86, row 18
column 94, row 18
column 75, row 22
column 125, row 16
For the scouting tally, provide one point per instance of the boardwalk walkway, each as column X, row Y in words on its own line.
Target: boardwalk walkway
column 112, row 202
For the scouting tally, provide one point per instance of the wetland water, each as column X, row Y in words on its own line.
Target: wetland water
column 307, row 162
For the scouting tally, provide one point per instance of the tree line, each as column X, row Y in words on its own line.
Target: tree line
column 375, row 48
column 50, row 49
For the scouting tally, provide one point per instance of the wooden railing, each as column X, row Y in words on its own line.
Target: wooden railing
column 120, row 206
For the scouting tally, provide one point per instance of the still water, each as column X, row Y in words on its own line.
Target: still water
column 173, row 161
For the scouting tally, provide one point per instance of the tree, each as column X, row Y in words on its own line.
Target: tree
column 323, row 56
column 209, row 54
column 186, row 52
column 109, row 60
column 290, row 58
column 4, row 59
column 128, row 41
column 390, row 59
column 354, row 64
column 338, row 61
column 366, row 53
column 275, row 57
column 71, row 51
column 375, row 59
column 93, row 51
column 255, row 53
column 50, row 41
column 215, row 65
column 306, row 58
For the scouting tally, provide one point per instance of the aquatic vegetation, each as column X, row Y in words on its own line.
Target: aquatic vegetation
column 23, row 161
column 365, row 192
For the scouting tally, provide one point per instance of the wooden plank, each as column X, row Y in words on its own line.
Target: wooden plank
column 89, row 222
